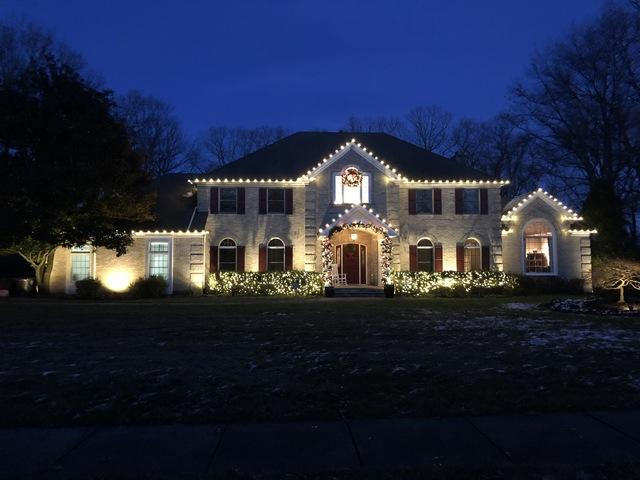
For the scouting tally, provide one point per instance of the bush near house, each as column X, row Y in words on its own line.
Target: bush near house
column 290, row 283
column 453, row 284
column 151, row 287
column 89, row 289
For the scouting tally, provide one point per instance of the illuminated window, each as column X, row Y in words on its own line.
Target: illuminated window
column 159, row 259
column 227, row 255
column 275, row 255
column 345, row 194
column 425, row 255
column 538, row 238
column 80, row 263
column 470, row 200
column 472, row 260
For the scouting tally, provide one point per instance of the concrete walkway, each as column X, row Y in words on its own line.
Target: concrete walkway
column 553, row 440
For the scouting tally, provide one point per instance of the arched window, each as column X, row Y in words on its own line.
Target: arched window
column 425, row 255
column 472, row 255
column 538, row 247
column 275, row 255
column 227, row 254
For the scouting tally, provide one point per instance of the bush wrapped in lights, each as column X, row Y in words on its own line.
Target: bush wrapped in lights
column 453, row 283
column 290, row 283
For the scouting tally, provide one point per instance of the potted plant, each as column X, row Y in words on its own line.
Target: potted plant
column 389, row 290
column 329, row 291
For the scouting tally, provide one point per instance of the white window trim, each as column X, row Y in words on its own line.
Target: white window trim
column 477, row 189
column 554, row 251
column 433, row 205
column 284, row 201
column 147, row 259
column 335, row 174
column 432, row 248
column 220, row 201
column 479, row 248
column 70, row 284
column 283, row 248
column 235, row 248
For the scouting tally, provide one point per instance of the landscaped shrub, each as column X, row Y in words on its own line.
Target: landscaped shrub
column 453, row 284
column 291, row 283
column 89, row 288
column 151, row 287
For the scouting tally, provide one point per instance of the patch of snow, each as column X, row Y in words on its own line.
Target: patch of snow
column 520, row 306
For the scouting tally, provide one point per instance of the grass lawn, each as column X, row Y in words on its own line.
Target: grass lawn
column 191, row 360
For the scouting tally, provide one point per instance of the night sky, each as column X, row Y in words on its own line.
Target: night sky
column 307, row 65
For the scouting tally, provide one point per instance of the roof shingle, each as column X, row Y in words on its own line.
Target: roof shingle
column 292, row 156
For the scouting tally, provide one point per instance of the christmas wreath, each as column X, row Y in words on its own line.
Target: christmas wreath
column 351, row 177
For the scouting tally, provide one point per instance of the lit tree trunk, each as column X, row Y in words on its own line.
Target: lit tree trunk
column 40, row 261
column 621, row 299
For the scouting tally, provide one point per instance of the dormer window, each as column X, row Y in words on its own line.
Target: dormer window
column 351, row 186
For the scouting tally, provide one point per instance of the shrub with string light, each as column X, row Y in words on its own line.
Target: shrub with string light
column 290, row 283
column 327, row 261
column 429, row 283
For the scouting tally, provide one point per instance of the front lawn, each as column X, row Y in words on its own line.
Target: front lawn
column 242, row 359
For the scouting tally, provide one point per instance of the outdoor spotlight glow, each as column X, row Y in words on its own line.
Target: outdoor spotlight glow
column 117, row 280
column 354, row 236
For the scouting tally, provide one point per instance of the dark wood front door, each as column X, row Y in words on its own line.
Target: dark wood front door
column 354, row 262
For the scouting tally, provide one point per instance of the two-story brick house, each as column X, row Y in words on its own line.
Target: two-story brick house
column 272, row 209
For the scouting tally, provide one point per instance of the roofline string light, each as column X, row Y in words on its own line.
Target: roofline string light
column 574, row 217
column 353, row 142
column 334, row 221
column 169, row 232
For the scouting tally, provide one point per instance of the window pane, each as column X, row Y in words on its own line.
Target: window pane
column 227, row 259
column 424, row 201
column 351, row 194
column 159, row 247
column 472, row 259
column 365, row 189
column 425, row 259
column 276, row 200
column 159, row 259
column 80, row 266
column 537, row 246
column 275, row 259
column 337, row 185
column 228, row 200
column 470, row 200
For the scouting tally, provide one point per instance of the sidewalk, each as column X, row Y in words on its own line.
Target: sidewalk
column 576, row 439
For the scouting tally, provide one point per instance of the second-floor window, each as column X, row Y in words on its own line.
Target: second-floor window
column 424, row 200
column 351, row 187
column 470, row 201
column 228, row 200
column 275, row 200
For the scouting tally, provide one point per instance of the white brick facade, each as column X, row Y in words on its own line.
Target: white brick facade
column 313, row 208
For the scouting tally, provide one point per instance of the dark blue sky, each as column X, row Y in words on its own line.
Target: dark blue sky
column 308, row 64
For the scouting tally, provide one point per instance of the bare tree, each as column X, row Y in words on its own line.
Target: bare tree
column 382, row 123
column 616, row 274
column 499, row 149
column 155, row 132
column 581, row 103
column 430, row 128
column 221, row 145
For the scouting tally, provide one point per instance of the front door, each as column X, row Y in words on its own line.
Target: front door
column 354, row 263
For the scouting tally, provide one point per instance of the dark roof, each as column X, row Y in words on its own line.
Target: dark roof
column 175, row 203
column 293, row 156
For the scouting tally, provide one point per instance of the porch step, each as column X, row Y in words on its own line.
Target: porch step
column 359, row 292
